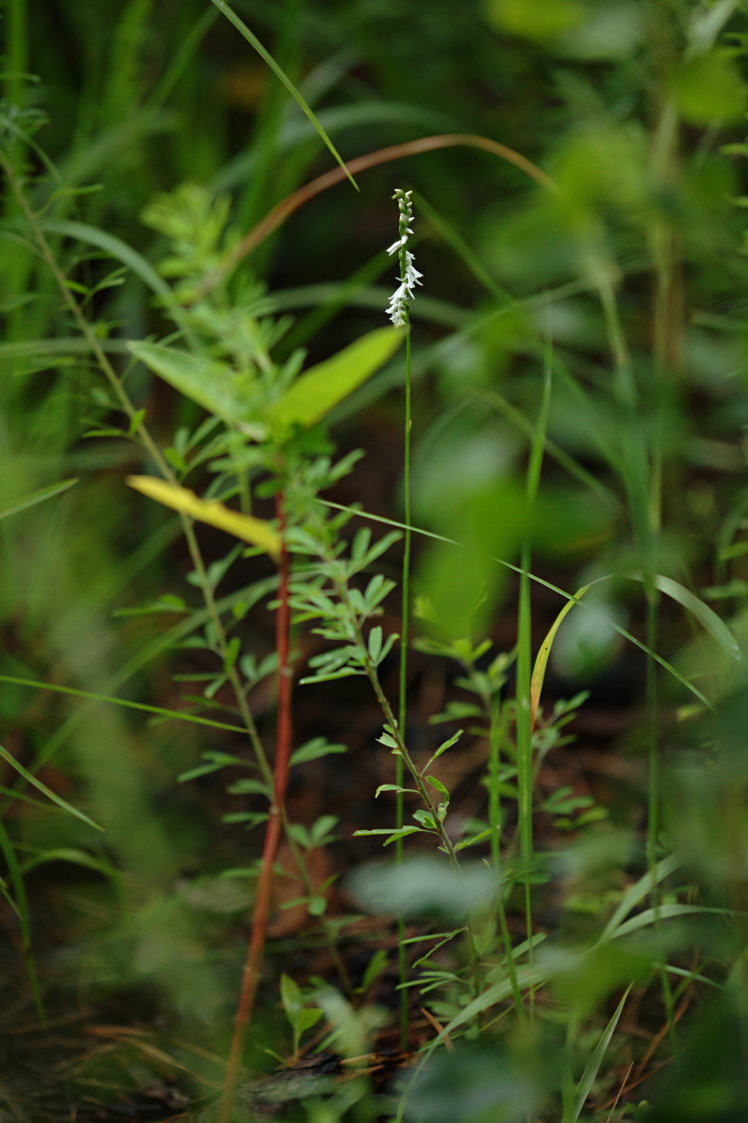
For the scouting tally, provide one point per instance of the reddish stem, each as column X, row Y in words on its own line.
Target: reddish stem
column 279, row 213
column 261, row 910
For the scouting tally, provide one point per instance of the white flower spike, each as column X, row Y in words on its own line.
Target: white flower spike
column 397, row 309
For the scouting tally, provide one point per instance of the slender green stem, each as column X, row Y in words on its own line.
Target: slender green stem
column 402, row 962
column 497, row 734
column 370, row 670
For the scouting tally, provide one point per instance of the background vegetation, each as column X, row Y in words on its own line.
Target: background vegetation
column 579, row 399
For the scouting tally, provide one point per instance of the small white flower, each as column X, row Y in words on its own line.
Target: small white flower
column 397, row 309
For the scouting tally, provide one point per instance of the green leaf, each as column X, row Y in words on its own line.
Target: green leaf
column 426, row 819
column 36, row 497
column 40, row 787
column 439, row 787
column 75, row 857
column 322, row 387
column 116, row 248
column 213, row 385
column 394, row 788
column 315, row 749
column 593, row 1066
column 393, row 833
column 443, row 747
column 282, row 77
column 375, row 644
column 322, row 829
column 538, row 673
column 377, row 965
column 536, row 20
column 637, row 892
column 709, row 89
column 309, row 1016
column 717, row 629
column 291, row 997
column 387, row 739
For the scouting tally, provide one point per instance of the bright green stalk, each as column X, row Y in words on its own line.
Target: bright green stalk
column 16, row 58
column 495, row 736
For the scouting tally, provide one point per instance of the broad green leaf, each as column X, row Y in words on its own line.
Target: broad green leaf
column 709, row 89
column 36, row 497
column 210, row 511
column 322, row 387
column 213, row 385
column 536, row 20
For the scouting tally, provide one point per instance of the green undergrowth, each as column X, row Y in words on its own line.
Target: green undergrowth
column 373, row 694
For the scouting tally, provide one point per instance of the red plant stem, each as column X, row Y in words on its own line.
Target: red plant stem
column 261, row 910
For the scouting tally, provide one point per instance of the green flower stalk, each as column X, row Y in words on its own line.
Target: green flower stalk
column 397, row 309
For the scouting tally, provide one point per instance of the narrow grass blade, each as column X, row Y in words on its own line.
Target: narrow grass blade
column 75, row 857
column 20, row 906
column 115, row 247
column 663, row 912
column 36, row 497
column 252, row 39
column 648, row 651
column 142, row 706
column 593, row 1065
column 637, row 892
column 709, row 620
column 40, row 787
column 527, row 978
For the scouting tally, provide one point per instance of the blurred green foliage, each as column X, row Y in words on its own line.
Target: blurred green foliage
column 632, row 278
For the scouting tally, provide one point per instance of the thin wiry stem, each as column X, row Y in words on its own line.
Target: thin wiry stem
column 402, row 708
column 262, row 903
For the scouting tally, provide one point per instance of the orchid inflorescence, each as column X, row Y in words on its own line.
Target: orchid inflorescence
column 397, row 309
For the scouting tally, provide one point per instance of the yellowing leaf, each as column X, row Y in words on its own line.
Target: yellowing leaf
column 538, row 674
column 321, row 388
column 255, row 531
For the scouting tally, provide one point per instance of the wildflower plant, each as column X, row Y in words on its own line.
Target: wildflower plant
column 404, row 294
